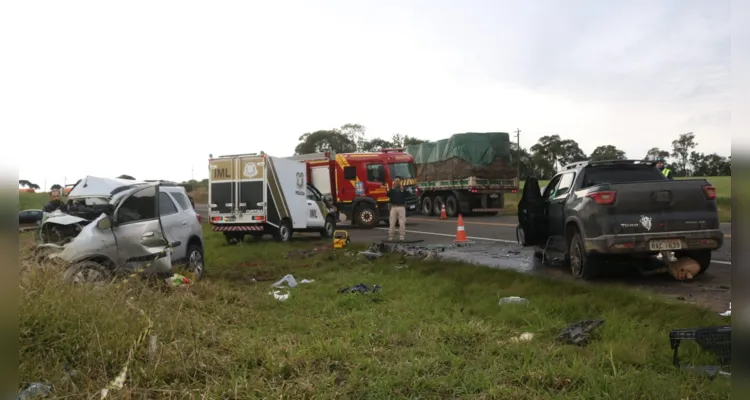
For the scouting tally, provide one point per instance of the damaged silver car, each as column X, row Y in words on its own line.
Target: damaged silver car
column 115, row 226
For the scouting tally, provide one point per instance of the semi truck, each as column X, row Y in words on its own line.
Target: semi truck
column 357, row 183
column 468, row 173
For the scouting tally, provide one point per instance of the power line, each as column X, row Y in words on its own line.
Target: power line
column 518, row 156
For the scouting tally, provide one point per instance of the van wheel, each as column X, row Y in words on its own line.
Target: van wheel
column 328, row 228
column 195, row 263
column 582, row 265
column 427, row 205
column 437, row 205
column 284, row 232
column 366, row 216
column 451, row 206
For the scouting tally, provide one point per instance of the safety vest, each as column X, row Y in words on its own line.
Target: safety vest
column 666, row 171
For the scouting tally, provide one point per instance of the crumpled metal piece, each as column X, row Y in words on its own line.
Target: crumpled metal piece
column 34, row 391
column 578, row 333
column 361, row 288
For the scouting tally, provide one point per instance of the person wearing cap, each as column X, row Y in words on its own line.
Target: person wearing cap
column 397, row 206
column 664, row 170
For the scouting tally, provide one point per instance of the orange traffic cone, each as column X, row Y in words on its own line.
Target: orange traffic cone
column 460, row 232
column 443, row 214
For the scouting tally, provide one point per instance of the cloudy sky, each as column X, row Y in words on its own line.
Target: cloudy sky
column 150, row 88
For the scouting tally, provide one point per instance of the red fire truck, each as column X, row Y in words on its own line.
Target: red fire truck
column 357, row 183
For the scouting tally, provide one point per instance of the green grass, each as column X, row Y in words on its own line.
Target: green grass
column 28, row 201
column 723, row 186
column 435, row 331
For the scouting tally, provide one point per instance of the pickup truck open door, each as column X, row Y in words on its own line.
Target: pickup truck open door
column 532, row 217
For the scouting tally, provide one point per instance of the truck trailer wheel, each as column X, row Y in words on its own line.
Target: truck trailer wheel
column 451, row 206
column 427, row 205
column 366, row 216
column 284, row 232
column 437, row 204
column 582, row 265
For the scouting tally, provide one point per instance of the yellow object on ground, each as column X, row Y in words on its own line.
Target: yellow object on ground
column 340, row 239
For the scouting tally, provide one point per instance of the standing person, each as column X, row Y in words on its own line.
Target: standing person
column 54, row 203
column 397, row 198
column 664, row 170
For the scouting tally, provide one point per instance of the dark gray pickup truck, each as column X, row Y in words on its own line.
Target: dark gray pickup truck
column 595, row 210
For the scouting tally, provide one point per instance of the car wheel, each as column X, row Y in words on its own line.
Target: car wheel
column 702, row 257
column 451, row 206
column 328, row 228
column 195, row 264
column 437, row 205
column 427, row 205
column 582, row 265
column 87, row 272
column 283, row 232
column 366, row 216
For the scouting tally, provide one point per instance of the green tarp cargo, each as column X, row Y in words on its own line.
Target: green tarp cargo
column 463, row 155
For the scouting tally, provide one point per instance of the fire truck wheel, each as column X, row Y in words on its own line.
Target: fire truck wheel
column 284, row 232
column 328, row 228
column 437, row 204
column 427, row 205
column 366, row 216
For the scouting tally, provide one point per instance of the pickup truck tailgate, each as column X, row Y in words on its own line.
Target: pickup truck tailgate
column 663, row 206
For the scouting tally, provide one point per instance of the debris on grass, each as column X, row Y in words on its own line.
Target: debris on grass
column 361, row 288
column 302, row 254
column 178, row 280
column 578, row 333
column 278, row 295
column 513, row 300
column 34, row 390
column 728, row 312
column 290, row 281
column 525, row 337
column 370, row 255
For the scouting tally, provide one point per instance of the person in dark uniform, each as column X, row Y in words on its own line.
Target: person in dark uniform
column 55, row 203
column 664, row 170
column 397, row 199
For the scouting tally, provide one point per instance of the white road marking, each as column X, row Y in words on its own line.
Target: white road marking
column 503, row 241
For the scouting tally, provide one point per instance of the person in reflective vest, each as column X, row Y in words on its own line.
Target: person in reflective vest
column 664, row 170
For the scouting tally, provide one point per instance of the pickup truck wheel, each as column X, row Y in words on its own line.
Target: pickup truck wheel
column 702, row 257
column 328, row 228
column 366, row 216
column 284, row 232
column 427, row 205
column 582, row 265
column 437, row 205
column 451, row 206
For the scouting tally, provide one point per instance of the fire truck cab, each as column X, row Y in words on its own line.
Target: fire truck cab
column 358, row 183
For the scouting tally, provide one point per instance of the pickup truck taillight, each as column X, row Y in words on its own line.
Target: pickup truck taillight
column 603, row 198
column 710, row 192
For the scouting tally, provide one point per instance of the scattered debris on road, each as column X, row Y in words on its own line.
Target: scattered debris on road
column 361, row 288
column 578, row 333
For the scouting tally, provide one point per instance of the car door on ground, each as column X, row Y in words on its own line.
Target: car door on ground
column 175, row 225
column 140, row 238
column 316, row 218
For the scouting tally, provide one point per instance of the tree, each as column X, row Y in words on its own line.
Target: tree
column 325, row 140
column 28, row 184
column 607, row 152
column 552, row 151
column 527, row 167
column 656, row 154
column 709, row 164
column 681, row 148
column 356, row 133
column 402, row 141
column 376, row 144
column 128, row 177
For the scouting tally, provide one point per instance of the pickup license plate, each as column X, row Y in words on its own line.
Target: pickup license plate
column 494, row 196
column 665, row 245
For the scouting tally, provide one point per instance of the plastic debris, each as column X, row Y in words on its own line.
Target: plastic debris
column 34, row 391
column 290, row 281
column 513, row 300
column 728, row 312
column 402, row 266
column 578, row 333
column 279, row 296
column 525, row 337
column 361, row 288
column 178, row 280
column 370, row 255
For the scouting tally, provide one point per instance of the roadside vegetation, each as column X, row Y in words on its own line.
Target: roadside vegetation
column 435, row 330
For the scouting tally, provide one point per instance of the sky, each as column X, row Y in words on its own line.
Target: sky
column 150, row 89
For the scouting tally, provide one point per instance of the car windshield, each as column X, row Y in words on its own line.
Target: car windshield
column 620, row 174
column 401, row 170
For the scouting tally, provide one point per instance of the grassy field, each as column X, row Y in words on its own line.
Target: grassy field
column 434, row 331
column 723, row 186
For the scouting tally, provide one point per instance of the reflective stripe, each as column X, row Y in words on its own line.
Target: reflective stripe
column 460, row 228
column 666, row 172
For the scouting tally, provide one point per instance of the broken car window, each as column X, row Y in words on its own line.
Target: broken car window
column 140, row 206
column 166, row 206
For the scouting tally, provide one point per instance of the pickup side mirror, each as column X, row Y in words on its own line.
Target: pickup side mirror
column 542, row 189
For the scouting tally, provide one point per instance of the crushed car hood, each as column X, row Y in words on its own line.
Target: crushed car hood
column 61, row 218
column 92, row 186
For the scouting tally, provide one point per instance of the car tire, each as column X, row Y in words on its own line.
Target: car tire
column 87, row 272
column 195, row 263
column 328, row 227
column 437, row 204
column 284, row 232
column 451, row 206
column 366, row 216
column 702, row 257
column 427, row 205
column 582, row 265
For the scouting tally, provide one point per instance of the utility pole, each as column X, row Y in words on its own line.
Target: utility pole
column 518, row 157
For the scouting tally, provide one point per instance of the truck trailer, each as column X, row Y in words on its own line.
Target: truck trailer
column 357, row 183
column 468, row 173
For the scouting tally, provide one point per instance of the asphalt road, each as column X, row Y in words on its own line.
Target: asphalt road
column 500, row 229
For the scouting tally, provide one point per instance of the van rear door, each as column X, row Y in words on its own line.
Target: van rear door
column 221, row 186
